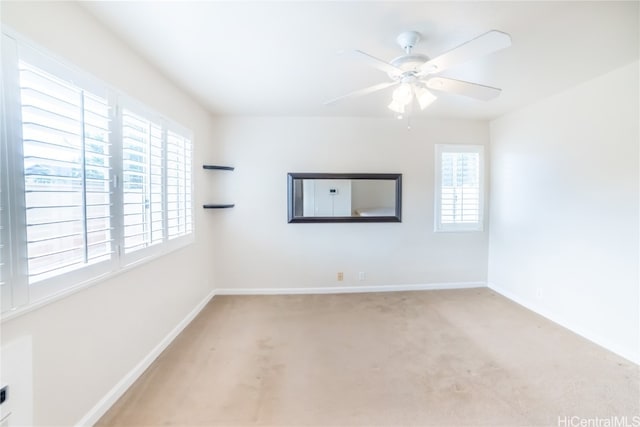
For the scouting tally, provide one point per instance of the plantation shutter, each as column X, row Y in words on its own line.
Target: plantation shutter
column 460, row 192
column 179, row 215
column 142, row 165
column 65, row 131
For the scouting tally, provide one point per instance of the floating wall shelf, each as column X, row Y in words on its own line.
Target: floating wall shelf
column 216, row 167
column 218, row 205
column 208, row 206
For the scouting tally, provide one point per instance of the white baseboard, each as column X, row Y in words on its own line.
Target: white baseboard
column 565, row 323
column 118, row 390
column 349, row 289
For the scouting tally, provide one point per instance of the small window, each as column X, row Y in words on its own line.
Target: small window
column 459, row 188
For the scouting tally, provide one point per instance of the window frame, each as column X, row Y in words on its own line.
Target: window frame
column 5, row 244
column 132, row 258
column 22, row 295
column 440, row 227
column 60, row 282
column 167, row 245
column 13, row 172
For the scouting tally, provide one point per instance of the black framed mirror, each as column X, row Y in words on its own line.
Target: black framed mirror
column 344, row 197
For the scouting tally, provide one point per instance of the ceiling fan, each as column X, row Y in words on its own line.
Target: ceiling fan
column 415, row 74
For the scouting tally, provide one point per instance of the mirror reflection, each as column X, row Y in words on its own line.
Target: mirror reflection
column 344, row 197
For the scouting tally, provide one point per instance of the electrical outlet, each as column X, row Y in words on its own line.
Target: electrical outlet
column 361, row 276
column 340, row 276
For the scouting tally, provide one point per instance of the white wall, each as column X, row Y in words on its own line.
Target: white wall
column 259, row 249
column 564, row 209
column 78, row 348
column 369, row 194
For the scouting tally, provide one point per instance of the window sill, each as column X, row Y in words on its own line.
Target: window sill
column 474, row 229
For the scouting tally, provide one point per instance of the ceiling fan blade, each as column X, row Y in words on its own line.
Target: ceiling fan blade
column 375, row 62
column 484, row 44
column 459, row 87
column 365, row 91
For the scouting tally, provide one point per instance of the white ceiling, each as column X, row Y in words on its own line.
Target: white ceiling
column 280, row 58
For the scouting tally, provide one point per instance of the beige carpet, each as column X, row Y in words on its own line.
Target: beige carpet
column 429, row 358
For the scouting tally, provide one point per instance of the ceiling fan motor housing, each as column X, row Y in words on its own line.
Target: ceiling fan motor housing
column 409, row 63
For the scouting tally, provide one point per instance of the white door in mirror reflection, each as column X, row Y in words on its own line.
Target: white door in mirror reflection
column 326, row 197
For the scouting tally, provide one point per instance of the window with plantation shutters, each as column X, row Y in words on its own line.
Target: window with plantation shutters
column 142, row 182
column 91, row 182
column 459, row 188
column 66, row 154
column 156, row 182
column 178, row 185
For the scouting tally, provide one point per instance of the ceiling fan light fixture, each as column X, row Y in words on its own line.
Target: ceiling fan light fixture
column 403, row 94
column 424, row 97
column 396, row 107
column 415, row 73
